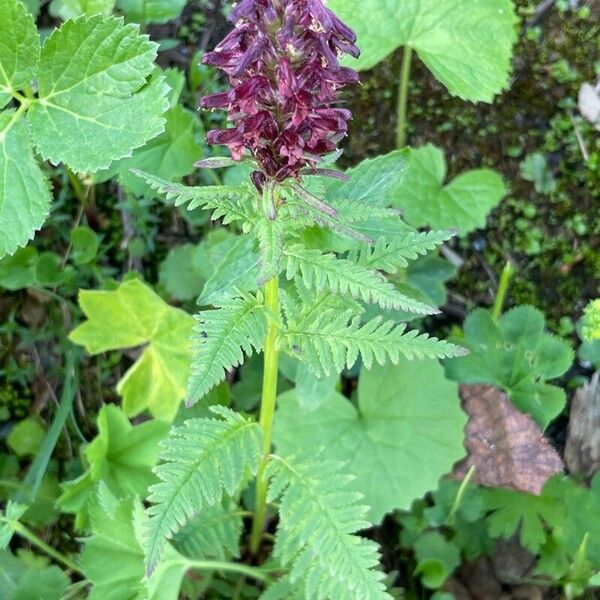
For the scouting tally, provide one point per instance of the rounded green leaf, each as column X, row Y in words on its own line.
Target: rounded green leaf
column 405, row 434
column 19, row 49
column 464, row 203
column 70, row 9
column 84, row 244
column 98, row 101
column 26, row 437
column 151, row 11
column 24, row 192
column 467, row 44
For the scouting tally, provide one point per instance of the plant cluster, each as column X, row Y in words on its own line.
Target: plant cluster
column 258, row 420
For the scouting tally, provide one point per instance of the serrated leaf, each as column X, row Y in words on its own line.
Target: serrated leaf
column 71, row 9
column 202, row 459
column 318, row 517
column 24, row 191
column 321, row 272
column 157, row 381
column 231, row 203
column 463, row 204
column 331, row 341
column 405, row 434
column 113, row 542
column 467, row 45
column 270, row 235
column 512, row 511
column 516, row 355
column 171, row 155
column 151, row 11
column 19, row 50
column 99, row 104
column 221, row 338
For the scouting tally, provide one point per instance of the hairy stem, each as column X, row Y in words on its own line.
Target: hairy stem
column 403, row 97
column 33, row 539
column 267, row 408
column 505, row 278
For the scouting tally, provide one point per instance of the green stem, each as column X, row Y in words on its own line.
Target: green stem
column 267, row 408
column 77, row 186
column 33, row 539
column 505, row 278
column 403, row 97
column 217, row 565
column 460, row 494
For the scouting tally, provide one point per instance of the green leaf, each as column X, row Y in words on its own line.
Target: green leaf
column 151, row 11
column 84, row 245
column 112, row 558
column 436, row 558
column 187, row 268
column 99, row 104
column 467, row 47
column 318, row 516
column 239, row 270
column 19, row 51
column 214, row 533
column 231, row 203
column 515, row 354
column 340, row 276
column 18, row 271
column 158, row 379
column 70, row 9
column 24, row 192
column 406, row 432
column 535, row 168
column 331, row 341
column 122, row 455
column 26, row 437
column 19, row 581
column 270, row 233
column 373, row 182
column 464, row 203
column 200, row 460
column 171, row 155
column 529, row 514
column 221, row 338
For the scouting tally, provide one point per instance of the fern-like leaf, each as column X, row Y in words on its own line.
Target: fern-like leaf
column 231, row 203
column 270, row 234
column 317, row 520
column 220, row 339
column 329, row 341
column 213, row 533
column 390, row 257
column 339, row 276
column 201, row 459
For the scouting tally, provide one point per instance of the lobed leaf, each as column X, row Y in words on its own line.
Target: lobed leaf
column 201, row 459
column 339, row 276
column 221, row 338
column 317, row 519
column 137, row 316
column 404, row 434
column 332, row 341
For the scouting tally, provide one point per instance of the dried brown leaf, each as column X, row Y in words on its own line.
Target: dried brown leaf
column 506, row 446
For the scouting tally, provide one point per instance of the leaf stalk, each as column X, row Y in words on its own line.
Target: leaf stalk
column 403, row 97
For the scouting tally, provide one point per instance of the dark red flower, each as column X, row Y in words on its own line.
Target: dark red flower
column 282, row 63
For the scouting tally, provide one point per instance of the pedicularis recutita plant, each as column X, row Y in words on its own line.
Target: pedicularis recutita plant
column 323, row 260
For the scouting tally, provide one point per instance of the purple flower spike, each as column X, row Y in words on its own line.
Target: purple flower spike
column 282, row 63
